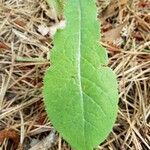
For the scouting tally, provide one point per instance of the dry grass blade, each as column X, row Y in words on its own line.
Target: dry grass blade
column 23, row 61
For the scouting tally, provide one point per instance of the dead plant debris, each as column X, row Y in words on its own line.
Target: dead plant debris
column 24, row 51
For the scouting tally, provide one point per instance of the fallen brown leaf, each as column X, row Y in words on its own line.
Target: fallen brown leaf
column 112, row 8
column 109, row 11
column 9, row 134
column 113, row 34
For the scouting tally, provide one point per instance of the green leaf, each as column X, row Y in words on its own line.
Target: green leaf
column 80, row 91
column 57, row 6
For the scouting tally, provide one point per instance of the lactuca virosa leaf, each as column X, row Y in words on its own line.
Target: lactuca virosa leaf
column 80, row 91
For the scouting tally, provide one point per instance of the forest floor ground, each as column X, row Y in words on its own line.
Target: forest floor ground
column 25, row 40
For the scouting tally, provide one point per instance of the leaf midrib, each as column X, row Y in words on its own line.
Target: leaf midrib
column 79, row 65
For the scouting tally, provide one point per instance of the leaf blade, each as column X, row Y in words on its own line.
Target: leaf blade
column 77, row 78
